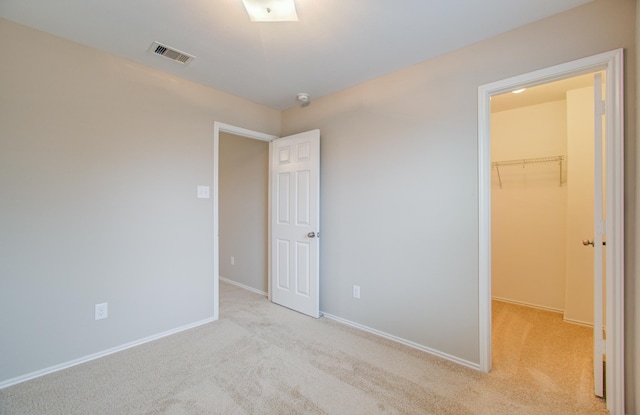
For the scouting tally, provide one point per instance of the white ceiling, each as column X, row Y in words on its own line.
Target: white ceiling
column 335, row 44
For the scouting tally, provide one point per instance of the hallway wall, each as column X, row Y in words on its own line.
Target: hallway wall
column 243, row 210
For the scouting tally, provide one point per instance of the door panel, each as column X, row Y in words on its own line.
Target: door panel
column 303, row 185
column 282, row 198
column 303, row 273
column 295, row 175
column 282, row 264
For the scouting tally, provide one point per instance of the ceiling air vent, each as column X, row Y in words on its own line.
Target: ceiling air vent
column 171, row 53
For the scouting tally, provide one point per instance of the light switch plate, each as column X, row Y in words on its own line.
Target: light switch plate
column 203, row 192
column 356, row 291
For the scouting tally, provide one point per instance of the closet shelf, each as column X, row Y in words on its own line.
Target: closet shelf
column 524, row 162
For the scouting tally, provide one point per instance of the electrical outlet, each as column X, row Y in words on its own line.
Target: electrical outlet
column 102, row 311
column 203, row 192
column 356, row 291
column 233, row 261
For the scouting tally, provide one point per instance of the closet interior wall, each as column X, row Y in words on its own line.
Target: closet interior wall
column 538, row 211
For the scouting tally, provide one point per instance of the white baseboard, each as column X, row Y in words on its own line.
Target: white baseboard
column 70, row 363
column 396, row 339
column 245, row 287
column 578, row 322
column 553, row 310
column 522, row 303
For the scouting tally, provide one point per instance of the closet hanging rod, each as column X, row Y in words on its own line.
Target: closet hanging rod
column 528, row 161
column 524, row 162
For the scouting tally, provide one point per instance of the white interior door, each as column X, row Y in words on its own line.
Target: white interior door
column 599, row 345
column 295, row 222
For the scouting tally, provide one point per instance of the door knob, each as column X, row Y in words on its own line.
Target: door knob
column 311, row 234
column 587, row 242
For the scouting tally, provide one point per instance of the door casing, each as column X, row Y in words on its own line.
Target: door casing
column 612, row 63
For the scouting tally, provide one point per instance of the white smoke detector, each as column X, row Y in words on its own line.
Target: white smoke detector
column 303, row 99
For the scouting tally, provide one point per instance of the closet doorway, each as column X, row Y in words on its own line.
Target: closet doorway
column 612, row 164
column 542, row 201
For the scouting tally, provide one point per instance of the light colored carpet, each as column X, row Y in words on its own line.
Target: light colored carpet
column 260, row 358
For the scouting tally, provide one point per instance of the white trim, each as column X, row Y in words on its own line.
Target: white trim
column 484, row 232
column 543, row 308
column 612, row 63
column 614, row 106
column 525, row 304
column 243, row 132
column 403, row 341
column 269, row 190
column 578, row 322
column 219, row 127
column 244, row 287
column 88, row 358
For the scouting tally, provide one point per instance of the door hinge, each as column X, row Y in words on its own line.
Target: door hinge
column 600, row 107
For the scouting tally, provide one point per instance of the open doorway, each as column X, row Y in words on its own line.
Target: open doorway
column 542, row 201
column 243, row 191
column 293, row 214
column 220, row 129
column 613, row 227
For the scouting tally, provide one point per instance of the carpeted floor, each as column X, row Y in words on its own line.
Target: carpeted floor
column 260, row 358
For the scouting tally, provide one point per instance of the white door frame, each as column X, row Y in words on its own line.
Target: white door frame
column 613, row 64
column 219, row 127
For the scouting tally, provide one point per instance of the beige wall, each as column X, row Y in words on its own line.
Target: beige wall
column 99, row 162
column 243, row 198
column 399, row 179
column 529, row 212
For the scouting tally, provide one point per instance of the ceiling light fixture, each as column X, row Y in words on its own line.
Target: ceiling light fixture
column 517, row 91
column 303, row 99
column 271, row 10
